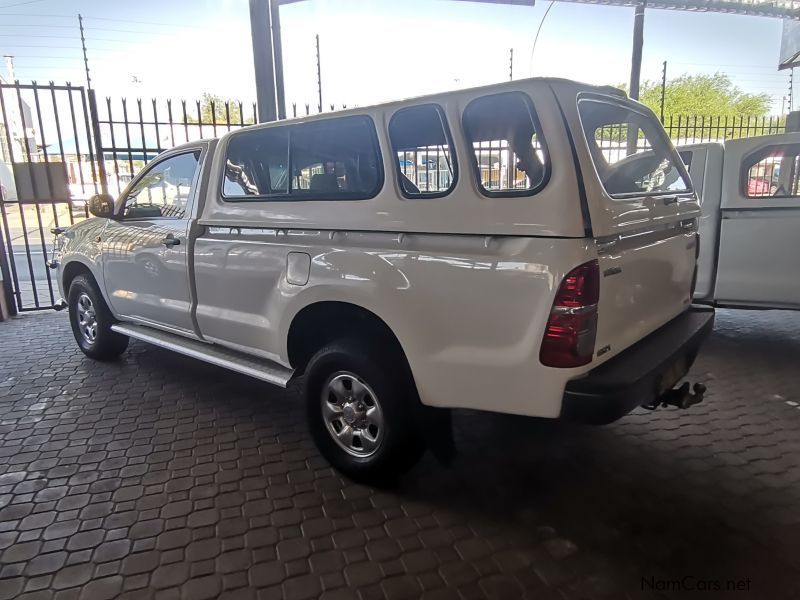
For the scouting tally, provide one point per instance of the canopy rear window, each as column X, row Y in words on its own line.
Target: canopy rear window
column 630, row 150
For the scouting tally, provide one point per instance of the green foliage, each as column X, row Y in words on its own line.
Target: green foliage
column 704, row 95
column 213, row 109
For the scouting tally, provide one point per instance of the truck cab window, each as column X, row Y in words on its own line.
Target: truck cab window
column 164, row 189
column 510, row 156
column 773, row 172
column 422, row 148
column 632, row 155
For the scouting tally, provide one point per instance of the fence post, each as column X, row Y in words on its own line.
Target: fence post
column 793, row 121
column 788, row 175
column 8, row 307
column 98, row 141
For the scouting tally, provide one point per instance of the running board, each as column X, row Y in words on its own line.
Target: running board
column 232, row 360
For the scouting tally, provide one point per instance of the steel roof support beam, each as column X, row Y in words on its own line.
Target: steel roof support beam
column 779, row 9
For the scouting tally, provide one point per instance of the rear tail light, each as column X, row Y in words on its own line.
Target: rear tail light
column 572, row 327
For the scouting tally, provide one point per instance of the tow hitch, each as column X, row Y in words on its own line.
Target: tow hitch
column 680, row 397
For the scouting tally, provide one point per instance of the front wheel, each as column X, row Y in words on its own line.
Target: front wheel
column 91, row 321
column 360, row 407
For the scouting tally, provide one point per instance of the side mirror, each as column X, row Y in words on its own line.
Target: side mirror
column 102, row 205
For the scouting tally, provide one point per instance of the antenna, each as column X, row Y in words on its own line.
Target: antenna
column 511, row 64
column 538, row 31
column 663, row 88
column 319, row 77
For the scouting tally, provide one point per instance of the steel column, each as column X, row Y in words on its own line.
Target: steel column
column 277, row 53
column 636, row 53
column 263, row 62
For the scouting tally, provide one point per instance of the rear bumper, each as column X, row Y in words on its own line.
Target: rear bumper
column 635, row 376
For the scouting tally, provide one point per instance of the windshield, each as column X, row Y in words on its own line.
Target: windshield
column 630, row 151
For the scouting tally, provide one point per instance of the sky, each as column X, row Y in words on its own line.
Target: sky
column 374, row 50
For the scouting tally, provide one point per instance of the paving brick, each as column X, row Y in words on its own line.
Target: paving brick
column 141, row 562
column 45, row 563
column 266, row 574
column 170, row 575
column 202, row 588
column 103, row 589
column 20, row 552
column 362, row 574
column 160, row 477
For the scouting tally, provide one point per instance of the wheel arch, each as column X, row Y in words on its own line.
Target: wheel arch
column 80, row 265
column 71, row 270
column 323, row 321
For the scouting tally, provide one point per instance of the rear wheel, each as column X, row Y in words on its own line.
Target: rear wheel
column 91, row 321
column 361, row 411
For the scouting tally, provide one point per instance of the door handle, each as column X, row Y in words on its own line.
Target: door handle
column 171, row 241
column 670, row 200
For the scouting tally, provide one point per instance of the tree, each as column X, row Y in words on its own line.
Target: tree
column 217, row 109
column 704, row 95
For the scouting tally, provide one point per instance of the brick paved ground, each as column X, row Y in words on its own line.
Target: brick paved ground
column 158, row 476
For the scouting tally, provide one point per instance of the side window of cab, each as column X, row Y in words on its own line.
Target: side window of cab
column 164, row 190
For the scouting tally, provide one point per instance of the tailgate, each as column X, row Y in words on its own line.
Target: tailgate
column 646, row 281
column 643, row 216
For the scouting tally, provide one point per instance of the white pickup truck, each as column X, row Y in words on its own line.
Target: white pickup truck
column 526, row 248
column 749, row 242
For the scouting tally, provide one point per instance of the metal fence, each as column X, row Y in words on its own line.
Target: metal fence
column 132, row 133
column 59, row 146
column 692, row 129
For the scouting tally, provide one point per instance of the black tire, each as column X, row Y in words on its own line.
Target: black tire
column 386, row 376
column 106, row 344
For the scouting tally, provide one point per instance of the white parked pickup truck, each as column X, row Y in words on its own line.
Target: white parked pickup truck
column 750, row 194
column 486, row 249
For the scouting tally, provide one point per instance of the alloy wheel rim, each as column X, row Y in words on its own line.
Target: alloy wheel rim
column 352, row 414
column 87, row 318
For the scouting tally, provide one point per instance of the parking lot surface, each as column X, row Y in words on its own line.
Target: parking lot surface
column 158, row 476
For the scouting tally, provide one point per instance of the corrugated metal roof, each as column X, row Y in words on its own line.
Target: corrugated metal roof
column 780, row 9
